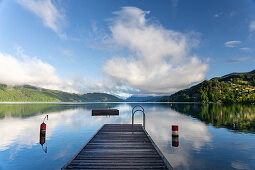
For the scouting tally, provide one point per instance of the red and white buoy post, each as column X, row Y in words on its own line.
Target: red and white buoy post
column 175, row 130
column 175, row 136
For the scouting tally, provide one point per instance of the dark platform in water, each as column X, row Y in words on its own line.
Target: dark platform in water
column 119, row 146
column 105, row 112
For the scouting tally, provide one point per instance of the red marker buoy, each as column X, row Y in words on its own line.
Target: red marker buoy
column 43, row 134
column 43, row 128
column 133, row 106
column 175, row 130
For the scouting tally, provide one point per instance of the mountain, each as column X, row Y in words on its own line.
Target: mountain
column 101, row 97
column 251, row 72
column 143, row 99
column 231, row 88
column 29, row 93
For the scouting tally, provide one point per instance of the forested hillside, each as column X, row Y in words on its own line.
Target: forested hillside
column 231, row 88
column 143, row 99
column 33, row 94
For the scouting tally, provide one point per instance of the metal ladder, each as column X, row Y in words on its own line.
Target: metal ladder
column 134, row 111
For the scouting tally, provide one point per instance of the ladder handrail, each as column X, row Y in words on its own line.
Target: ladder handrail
column 133, row 113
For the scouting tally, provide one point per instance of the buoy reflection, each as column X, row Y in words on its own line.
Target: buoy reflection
column 175, row 141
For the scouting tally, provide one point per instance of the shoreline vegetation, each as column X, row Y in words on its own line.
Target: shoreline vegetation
column 80, row 103
column 29, row 93
column 231, row 88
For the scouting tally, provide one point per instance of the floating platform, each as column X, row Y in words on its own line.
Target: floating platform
column 119, row 146
column 105, row 112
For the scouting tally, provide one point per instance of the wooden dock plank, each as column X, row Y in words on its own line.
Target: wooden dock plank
column 119, row 146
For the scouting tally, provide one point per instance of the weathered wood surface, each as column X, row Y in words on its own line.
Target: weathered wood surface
column 105, row 112
column 119, row 146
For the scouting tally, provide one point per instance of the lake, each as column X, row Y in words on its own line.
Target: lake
column 211, row 136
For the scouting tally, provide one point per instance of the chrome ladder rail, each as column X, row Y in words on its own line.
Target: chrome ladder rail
column 133, row 113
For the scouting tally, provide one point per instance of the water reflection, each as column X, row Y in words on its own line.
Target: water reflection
column 27, row 110
column 175, row 141
column 194, row 135
column 198, row 146
column 237, row 117
column 42, row 141
column 13, row 124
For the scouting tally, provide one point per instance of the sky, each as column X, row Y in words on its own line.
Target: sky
column 124, row 47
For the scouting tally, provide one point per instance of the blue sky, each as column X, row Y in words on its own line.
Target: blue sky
column 124, row 47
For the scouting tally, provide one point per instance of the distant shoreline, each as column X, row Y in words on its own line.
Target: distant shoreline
column 112, row 102
column 84, row 102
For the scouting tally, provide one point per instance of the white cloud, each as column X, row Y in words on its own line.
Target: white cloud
column 216, row 15
column 252, row 25
column 232, row 14
column 50, row 15
column 231, row 44
column 239, row 165
column 67, row 52
column 158, row 59
column 245, row 49
column 33, row 71
column 24, row 69
column 238, row 59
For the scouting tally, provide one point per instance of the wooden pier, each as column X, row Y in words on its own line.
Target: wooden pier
column 105, row 112
column 119, row 146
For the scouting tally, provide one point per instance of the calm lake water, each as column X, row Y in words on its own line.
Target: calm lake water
column 214, row 136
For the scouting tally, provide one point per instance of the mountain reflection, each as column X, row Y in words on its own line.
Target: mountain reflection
column 237, row 117
column 26, row 118
column 70, row 126
column 27, row 110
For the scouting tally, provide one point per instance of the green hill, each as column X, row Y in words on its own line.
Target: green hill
column 231, row 88
column 33, row 94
